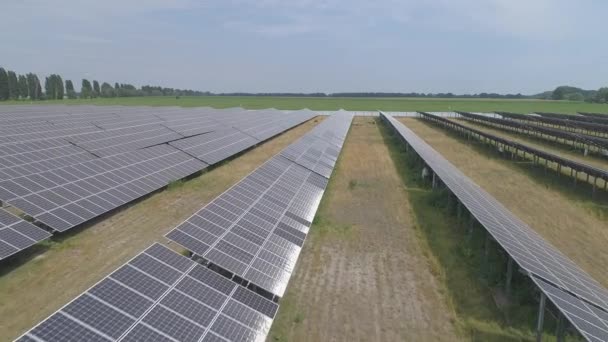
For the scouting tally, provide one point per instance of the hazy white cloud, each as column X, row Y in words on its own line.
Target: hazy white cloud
column 311, row 45
column 84, row 39
column 533, row 19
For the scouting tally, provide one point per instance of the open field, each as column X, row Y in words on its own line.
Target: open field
column 34, row 289
column 331, row 103
column 363, row 274
column 577, row 228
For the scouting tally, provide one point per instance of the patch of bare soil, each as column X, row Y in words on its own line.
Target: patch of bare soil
column 362, row 275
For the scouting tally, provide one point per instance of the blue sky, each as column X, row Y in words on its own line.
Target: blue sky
column 460, row 46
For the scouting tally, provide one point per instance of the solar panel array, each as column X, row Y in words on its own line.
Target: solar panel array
column 17, row 234
column 160, row 296
column 531, row 123
column 64, row 165
column 256, row 229
column 574, row 165
column 576, row 117
column 527, row 248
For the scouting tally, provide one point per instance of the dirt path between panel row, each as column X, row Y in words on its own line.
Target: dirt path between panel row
column 35, row 289
column 572, row 226
column 362, row 275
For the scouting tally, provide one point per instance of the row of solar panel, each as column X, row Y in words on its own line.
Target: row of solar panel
column 528, row 249
column 257, row 228
column 63, row 182
column 162, row 296
column 17, row 234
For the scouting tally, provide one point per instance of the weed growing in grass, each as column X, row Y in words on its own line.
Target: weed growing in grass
column 298, row 318
column 352, row 184
column 176, row 184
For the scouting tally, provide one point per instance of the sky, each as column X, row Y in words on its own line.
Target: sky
column 458, row 46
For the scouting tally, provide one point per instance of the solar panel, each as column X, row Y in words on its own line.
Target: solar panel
column 121, row 140
column 80, row 192
column 527, row 248
column 588, row 319
column 17, row 234
column 160, row 296
column 257, row 228
column 64, row 165
column 215, row 146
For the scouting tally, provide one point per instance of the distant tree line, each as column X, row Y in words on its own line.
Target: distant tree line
column 15, row 87
column 28, row 87
column 577, row 94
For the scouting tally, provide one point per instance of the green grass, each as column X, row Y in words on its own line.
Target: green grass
column 363, row 104
column 470, row 281
column 176, row 184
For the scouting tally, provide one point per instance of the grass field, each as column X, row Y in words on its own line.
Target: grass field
column 363, row 104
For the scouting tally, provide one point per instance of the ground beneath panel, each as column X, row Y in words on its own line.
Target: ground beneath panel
column 573, row 226
column 42, row 285
column 362, row 276
column 560, row 150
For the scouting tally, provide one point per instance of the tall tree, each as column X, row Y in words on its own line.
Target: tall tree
column 86, row 90
column 59, row 92
column 3, row 84
column 96, row 90
column 13, row 85
column 54, row 87
column 69, row 89
column 107, row 90
column 34, row 88
column 48, row 87
column 602, row 95
column 23, row 89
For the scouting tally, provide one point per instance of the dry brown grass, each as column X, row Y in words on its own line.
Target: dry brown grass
column 32, row 291
column 572, row 226
column 546, row 146
column 363, row 275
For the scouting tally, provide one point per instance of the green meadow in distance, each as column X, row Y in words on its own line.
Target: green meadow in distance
column 348, row 103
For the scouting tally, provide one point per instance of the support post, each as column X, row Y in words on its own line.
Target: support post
column 561, row 325
column 458, row 210
column 434, row 180
column 541, row 317
column 509, row 277
column 471, row 224
column 449, row 202
column 486, row 248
